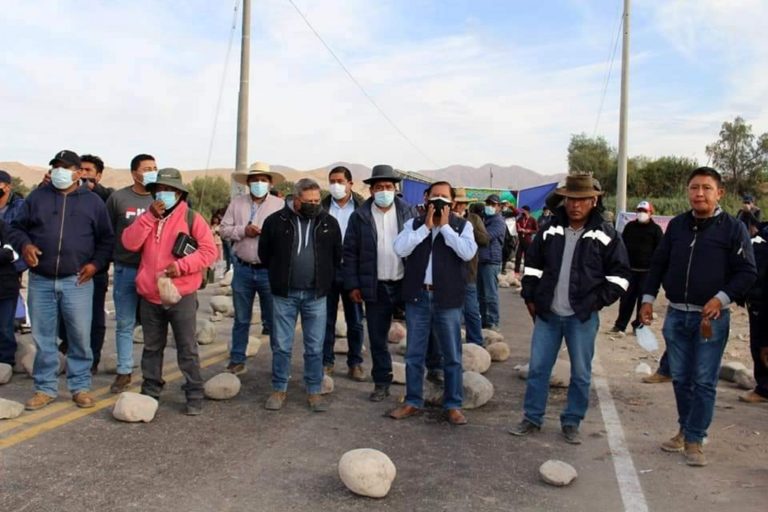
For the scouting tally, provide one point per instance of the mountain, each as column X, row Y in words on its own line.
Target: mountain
column 513, row 177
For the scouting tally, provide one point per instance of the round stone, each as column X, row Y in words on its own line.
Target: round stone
column 367, row 472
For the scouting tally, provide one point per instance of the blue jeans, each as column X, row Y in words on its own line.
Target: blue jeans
column 246, row 283
column 286, row 312
column 694, row 363
column 126, row 303
column 378, row 315
column 547, row 338
column 7, row 335
column 423, row 316
column 472, row 318
column 488, row 293
column 353, row 316
column 47, row 298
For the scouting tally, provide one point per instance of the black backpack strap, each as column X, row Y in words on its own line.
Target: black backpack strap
column 190, row 220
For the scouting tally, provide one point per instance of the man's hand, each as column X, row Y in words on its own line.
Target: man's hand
column 252, row 231
column 646, row 313
column 30, row 254
column 531, row 310
column 445, row 215
column 712, row 309
column 157, row 208
column 172, row 270
column 356, row 296
column 86, row 273
column 429, row 221
column 764, row 355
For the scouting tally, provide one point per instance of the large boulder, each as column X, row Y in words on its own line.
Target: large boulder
column 477, row 390
column 138, row 335
column 561, row 374
column 109, row 363
column 557, row 473
column 134, row 407
column 744, row 380
column 398, row 372
column 433, row 393
column 397, row 332
column 327, row 386
column 223, row 291
column 205, row 332
column 367, row 472
column 490, row 336
column 10, row 409
column 401, row 347
column 729, row 369
column 25, row 358
column 254, row 344
column 340, row 346
column 227, row 279
column 643, row 369
column 341, row 327
column 6, row 372
column 499, row 351
column 222, row 387
column 475, row 358
column 223, row 305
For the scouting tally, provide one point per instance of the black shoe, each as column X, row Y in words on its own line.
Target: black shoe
column 436, row 376
column 524, row 428
column 156, row 396
column 571, row 434
column 194, row 407
column 615, row 330
column 379, row 393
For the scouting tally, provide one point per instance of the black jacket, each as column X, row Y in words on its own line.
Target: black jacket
column 9, row 277
column 360, row 266
column 641, row 240
column 697, row 259
column 276, row 244
column 599, row 271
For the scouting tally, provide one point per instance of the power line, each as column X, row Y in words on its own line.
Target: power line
column 362, row 89
column 608, row 76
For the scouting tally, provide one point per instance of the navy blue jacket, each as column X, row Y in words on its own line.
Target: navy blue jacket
column 699, row 258
column 359, row 263
column 14, row 206
column 9, row 277
column 70, row 230
column 497, row 229
column 599, row 270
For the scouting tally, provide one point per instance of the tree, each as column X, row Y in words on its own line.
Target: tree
column 593, row 155
column 285, row 188
column 208, row 194
column 742, row 157
column 662, row 177
column 19, row 187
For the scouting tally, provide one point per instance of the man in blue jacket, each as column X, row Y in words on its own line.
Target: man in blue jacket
column 705, row 262
column 65, row 236
column 489, row 263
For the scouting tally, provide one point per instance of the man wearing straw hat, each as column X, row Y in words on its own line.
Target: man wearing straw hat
column 242, row 225
column 575, row 266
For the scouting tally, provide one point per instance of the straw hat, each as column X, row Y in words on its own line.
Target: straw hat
column 258, row 169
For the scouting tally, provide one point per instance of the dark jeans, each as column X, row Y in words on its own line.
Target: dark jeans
column 631, row 301
column 353, row 316
column 182, row 318
column 98, row 320
column 664, row 365
column 7, row 335
column 761, row 371
column 378, row 314
column 522, row 246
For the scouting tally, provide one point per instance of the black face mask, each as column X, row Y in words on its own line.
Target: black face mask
column 439, row 204
column 2, row 192
column 310, row 210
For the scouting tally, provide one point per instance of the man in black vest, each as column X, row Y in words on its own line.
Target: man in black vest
column 438, row 246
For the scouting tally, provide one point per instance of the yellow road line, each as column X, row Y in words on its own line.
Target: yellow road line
column 59, row 421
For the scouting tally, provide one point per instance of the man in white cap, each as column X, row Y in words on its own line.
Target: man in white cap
column 242, row 225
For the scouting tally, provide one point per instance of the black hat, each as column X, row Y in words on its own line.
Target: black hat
column 5, row 177
column 67, row 157
column 493, row 198
column 382, row 172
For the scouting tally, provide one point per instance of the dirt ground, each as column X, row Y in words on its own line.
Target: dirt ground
column 239, row 457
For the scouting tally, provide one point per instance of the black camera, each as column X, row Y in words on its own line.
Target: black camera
column 184, row 245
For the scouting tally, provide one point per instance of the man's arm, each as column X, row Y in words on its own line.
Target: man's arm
column 478, row 228
column 266, row 240
column 408, row 239
column 228, row 229
column 105, row 238
column 463, row 245
column 617, row 272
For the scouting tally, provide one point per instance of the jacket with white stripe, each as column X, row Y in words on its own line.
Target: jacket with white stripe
column 599, row 270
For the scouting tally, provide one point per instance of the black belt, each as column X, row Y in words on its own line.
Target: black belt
column 255, row 266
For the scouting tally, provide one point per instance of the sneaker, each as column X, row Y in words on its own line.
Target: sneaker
column 379, row 393
column 317, row 403
column 524, row 428
column 328, row 370
column 236, row 368
column 657, row 378
column 752, row 398
column 38, row 401
column 674, row 445
column 121, row 383
column 571, row 434
column 275, row 401
column 356, row 373
column 694, row 454
column 83, row 399
column 194, row 407
column 436, row 376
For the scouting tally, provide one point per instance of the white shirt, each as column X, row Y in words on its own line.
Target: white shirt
column 389, row 265
column 342, row 214
column 463, row 245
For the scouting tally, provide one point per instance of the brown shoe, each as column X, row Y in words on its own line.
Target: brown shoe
column 694, row 454
column 275, row 401
column 753, row 398
column 317, row 403
column 38, row 401
column 236, row 368
column 121, row 383
column 674, row 445
column 657, row 378
column 356, row 373
column 83, row 399
column 456, row 417
column 404, row 411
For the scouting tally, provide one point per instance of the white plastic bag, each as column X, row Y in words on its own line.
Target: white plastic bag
column 646, row 338
column 169, row 295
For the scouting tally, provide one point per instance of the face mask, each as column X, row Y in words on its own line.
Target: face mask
column 149, row 177
column 384, row 198
column 643, row 217
column 168, row 197
column 310, row 210
column 61, row 178
column 338, row 191
column 438, row 203
column 2, row 192
column 490, row 210
column 259, row 188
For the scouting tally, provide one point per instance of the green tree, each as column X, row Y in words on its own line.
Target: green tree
column 741, row 156
column 208, row 194
column 19, row 187
column 662, row 177
column 593, row 155
column 285, row 188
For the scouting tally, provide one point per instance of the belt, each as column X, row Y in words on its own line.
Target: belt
column 429, row 287
column 256, row 266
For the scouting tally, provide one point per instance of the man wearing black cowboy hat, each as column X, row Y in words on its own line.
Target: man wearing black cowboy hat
column 574, row 267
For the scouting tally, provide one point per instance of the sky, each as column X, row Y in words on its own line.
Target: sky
column 462, row 81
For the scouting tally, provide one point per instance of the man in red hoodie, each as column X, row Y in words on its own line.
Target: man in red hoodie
column 154, row 234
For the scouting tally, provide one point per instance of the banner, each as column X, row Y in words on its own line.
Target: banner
column 535, row 197
column 479, row 194
column 413, row 191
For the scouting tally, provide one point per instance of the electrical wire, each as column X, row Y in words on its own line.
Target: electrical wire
column 610, row 70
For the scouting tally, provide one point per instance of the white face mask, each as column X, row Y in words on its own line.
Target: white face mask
column 338, row 191
column 643, row 217
column 61, row 178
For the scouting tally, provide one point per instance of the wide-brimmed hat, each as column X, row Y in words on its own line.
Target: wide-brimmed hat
column 382, row 172
column 578, row 186
column 169, row 177
column 258, row 169
column 461, row 196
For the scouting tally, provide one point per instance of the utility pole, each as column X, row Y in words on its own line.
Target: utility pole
column 621, row 182
column 490, row 170
column 241, row 152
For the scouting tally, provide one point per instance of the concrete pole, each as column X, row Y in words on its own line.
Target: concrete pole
column 621, row 182
column 241, row 153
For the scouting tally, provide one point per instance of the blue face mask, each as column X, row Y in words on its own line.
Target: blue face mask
column 149, row 177
column 61, row 178
column 490, row 210
column 384, row 198
column 168, row 197
column 259, row 188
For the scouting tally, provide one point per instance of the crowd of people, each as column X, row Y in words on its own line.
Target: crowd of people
column 438, row 261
